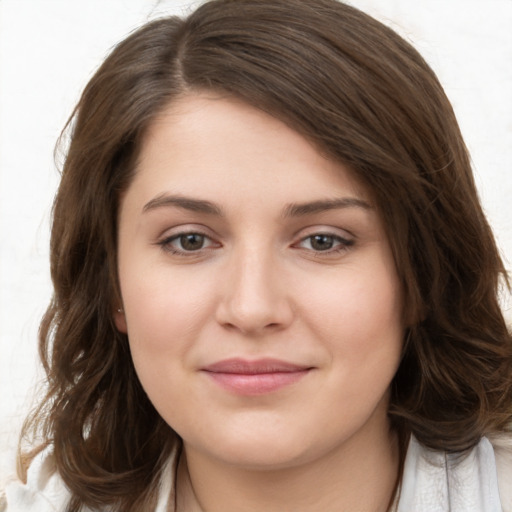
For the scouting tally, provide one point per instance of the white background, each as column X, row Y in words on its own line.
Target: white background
column 48, row 51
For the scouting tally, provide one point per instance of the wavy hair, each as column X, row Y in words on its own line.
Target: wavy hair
column 365, row 98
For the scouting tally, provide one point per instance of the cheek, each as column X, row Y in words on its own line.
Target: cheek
column 357, row 306
column 358, row 319
column 162, row 326
column 165, row 312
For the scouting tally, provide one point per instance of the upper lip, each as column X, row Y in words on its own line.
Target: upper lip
column 259, row 366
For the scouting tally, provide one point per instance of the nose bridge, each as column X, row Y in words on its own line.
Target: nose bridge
column 253, row 270
column 254, row 296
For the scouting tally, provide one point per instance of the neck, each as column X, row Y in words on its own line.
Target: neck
column 356, row 477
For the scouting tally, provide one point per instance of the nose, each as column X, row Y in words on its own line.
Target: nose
column 255, row 299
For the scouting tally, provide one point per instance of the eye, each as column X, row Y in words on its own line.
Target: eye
column 190, row 241
column 184, row 243
column 325, row 242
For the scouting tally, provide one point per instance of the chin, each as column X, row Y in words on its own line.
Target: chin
column 259, row 449
column 264, row 456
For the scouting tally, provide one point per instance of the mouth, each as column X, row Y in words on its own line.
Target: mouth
column 258, row 377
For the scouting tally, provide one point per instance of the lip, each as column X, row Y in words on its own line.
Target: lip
column 257, row 377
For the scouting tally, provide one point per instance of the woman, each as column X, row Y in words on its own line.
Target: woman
column 275, row 288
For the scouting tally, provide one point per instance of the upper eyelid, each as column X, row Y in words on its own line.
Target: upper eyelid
column 324, row 230
column 185, row 233
column 184, row 229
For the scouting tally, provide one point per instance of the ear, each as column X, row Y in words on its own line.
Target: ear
column 120, row 320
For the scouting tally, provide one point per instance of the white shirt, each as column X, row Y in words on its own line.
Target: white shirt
column 432, row 482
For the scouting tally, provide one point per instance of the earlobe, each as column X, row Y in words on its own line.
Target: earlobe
column 120, row 320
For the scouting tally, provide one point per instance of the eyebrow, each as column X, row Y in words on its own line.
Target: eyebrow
column 300, row 209
column 186, row 203
column 291, row 210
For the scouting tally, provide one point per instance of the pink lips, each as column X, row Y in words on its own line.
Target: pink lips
column 255, row 377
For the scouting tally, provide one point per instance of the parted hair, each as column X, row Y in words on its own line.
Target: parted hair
column 364, row 97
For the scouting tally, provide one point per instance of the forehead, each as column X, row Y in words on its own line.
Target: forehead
column 201, row 139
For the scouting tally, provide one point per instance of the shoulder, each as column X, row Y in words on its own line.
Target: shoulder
column 502, row 445
column 43, row 491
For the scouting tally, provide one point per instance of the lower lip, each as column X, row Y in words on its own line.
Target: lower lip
column 256, row 384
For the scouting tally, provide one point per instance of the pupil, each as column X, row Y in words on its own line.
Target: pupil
column 322, row 242
column 192, row 242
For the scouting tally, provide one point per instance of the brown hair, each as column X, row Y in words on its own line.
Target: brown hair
column 366, row 98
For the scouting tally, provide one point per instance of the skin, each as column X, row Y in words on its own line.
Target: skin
column 253, row 283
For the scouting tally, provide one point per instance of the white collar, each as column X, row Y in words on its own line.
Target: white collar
column 438, row 482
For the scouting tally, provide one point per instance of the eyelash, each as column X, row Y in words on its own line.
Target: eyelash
column 341, row 244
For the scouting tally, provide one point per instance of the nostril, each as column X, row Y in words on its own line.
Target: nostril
column 233, row 327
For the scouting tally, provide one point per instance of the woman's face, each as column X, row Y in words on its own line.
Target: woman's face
column 260, row 295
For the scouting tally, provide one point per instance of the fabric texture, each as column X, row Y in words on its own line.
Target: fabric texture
column 481, row 481
column 438, row 482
